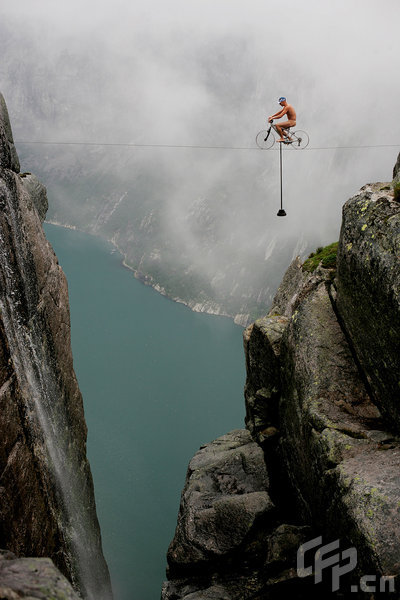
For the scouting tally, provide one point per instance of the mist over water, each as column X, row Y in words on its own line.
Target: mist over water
column 158, row 381
column 209, row 73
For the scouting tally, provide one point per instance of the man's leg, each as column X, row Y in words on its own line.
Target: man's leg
column 280, row 132
column 281, row 127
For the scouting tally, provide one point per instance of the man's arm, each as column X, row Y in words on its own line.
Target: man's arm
column 279, row 114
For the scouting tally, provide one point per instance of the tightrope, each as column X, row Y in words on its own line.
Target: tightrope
column 196, row 147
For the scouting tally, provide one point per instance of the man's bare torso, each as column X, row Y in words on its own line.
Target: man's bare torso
column 291, row 113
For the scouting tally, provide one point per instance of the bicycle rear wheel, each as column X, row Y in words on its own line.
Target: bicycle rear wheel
column 265, row 139
column 300, row 140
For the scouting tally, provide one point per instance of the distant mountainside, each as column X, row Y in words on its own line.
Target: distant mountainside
column 194, row 245
column 198, row 225
column 197, row 252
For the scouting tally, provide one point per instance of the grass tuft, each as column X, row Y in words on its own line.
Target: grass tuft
column 326, row 256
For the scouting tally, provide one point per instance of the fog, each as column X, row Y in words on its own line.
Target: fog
column 208, row 74
column 202, row 73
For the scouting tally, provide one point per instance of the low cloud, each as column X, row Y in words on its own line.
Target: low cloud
column 209, row 73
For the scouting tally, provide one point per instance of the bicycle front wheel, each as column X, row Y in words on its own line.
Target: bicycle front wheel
column 300, row 140
column 265, row 139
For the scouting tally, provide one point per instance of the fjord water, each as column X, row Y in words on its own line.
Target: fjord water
column 158, row 381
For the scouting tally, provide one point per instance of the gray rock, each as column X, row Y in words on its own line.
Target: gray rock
column 344, row 482
column 396, row 171
column 177, row 589
column 47, row 504
column 284, row 544
column 224, row 501
column 368, row 291
column 265, row 579
column 216, row 592
column 196, row 591
column 288, row 291
column 262, row 350
column 8, row 154
column 380, row 437
column 33, row 579
column 37, row 193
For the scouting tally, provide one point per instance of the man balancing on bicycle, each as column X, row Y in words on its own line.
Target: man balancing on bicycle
column 291, row 119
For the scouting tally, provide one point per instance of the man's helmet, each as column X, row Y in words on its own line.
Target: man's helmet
column 281, row 99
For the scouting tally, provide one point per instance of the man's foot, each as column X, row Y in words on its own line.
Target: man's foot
column 281, row 140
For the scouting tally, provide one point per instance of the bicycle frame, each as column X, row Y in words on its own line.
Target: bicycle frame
column 298, row 139
column 286, row 133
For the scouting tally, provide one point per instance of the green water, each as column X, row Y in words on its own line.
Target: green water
column 157, row 381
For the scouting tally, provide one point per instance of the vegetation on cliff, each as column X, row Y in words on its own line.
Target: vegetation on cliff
column 326, row 256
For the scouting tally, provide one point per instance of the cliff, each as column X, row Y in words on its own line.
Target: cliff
column 322, row 416
column 47, row 505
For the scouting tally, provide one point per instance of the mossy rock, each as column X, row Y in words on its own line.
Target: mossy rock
column 396, row 191
column 326, row 256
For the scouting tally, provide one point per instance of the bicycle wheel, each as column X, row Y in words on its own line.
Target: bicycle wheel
column 300, row 139
column 265, row 139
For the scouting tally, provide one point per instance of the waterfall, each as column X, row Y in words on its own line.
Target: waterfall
column 66, row 473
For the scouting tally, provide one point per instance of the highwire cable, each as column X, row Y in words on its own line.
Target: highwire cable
column 194, row 147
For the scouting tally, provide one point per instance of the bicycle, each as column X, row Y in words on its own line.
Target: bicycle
column 265, row 139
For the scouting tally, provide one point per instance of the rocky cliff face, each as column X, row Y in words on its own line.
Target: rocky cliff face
column 396, row 171
column 47, row 505
column 368, row 292
column 322, row 403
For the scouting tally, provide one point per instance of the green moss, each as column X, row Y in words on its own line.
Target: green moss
column 396, row 191
column 365, row 207
column 326, row 256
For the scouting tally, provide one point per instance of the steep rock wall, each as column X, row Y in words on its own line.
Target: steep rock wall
column 337, row 359
column 396, row 171
column 47, row 505
column 322, row 402
column 8, row 154
column 368, row 291
column 231, row 542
